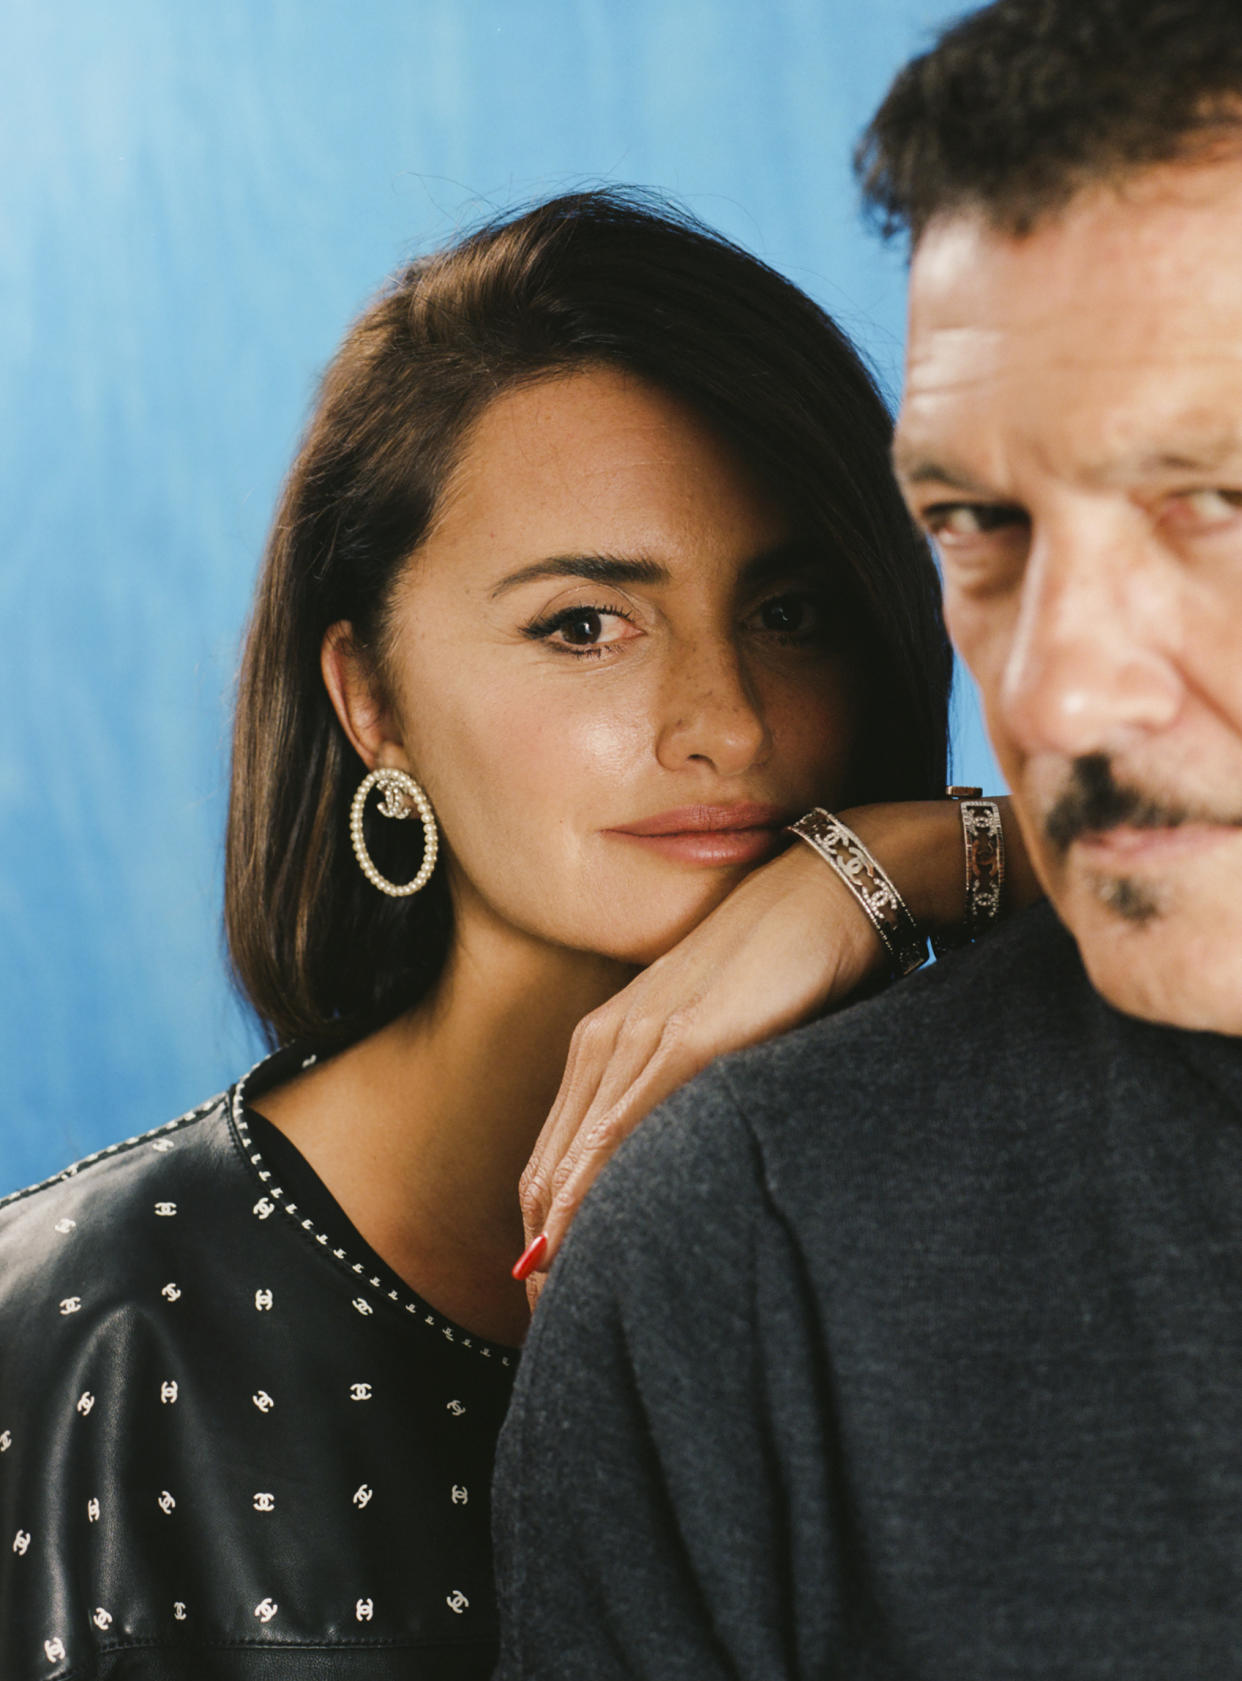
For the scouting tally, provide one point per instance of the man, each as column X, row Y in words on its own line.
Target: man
column 911, row 1345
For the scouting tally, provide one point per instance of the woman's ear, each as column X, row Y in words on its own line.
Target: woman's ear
column 365, row 714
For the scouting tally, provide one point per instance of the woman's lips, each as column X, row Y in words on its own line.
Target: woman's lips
column 741, row 834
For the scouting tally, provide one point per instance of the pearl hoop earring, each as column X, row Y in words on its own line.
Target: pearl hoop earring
column 402, row 798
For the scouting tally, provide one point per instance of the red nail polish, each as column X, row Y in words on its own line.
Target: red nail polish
column 530, row 1257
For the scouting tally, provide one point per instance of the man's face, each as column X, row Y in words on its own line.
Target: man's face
column 1071, row 436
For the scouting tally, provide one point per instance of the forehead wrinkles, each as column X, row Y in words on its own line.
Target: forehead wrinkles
column 1022, row 324
column 1148, row 350
column 1057, row 343
column 1173, row 232
column 1095, row 420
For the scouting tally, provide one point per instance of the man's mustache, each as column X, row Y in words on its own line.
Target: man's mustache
column 1094, row 801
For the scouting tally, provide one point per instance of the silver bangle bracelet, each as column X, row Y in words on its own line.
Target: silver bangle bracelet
column 983, row 841
column 840, row 847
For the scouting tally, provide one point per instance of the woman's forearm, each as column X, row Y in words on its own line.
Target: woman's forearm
column 919, row 844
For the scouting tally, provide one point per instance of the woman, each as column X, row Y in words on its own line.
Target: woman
column 590, row 565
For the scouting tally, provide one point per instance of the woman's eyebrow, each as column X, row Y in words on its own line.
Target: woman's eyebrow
column 795, row 555
column 596, row 568
column 616, row 569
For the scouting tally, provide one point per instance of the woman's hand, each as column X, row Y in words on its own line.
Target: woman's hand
column 788, row 943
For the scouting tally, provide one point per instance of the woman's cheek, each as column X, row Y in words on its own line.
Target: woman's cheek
column 814, row 726
column 520, row 781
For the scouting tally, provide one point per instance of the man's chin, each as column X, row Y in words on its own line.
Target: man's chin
column 1152, row 953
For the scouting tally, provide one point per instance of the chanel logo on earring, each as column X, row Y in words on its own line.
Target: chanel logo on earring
column 402, row 797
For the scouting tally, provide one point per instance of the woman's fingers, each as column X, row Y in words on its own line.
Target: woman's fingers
column 592, row 1145
column 629, row 1062
column 601, row 1136
column 607, row 1056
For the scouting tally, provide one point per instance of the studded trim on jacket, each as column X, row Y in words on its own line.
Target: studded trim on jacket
column 230, row 1445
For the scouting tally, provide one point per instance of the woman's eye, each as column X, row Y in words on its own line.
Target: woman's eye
column 582, row 630
column 791, row 616
column 582, row 627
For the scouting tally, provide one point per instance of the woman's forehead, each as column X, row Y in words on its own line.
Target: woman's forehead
column 597, row 462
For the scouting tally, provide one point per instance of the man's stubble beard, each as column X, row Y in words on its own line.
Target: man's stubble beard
column 1094, row 801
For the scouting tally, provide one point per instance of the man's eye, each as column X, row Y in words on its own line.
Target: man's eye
column 1204, row 509
column 969, row 519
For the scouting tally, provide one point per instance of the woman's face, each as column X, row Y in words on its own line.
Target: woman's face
column 611, row 668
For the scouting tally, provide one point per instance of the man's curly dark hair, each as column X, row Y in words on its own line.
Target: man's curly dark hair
column 1020, row 105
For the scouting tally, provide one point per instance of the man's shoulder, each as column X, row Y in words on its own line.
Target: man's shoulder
column 998, row 1077
column 967, row 1118
column 980, row 1021
column 900, row 1088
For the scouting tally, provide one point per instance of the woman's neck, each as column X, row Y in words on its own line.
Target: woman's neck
column 421, row 1130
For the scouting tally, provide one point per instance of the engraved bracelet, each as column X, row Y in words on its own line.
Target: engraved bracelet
column 839, row 846
column 983, row 839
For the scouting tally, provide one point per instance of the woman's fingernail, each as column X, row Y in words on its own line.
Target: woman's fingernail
column 530, row 1257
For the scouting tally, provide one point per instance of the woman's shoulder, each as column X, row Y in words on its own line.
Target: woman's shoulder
column 94, row 1208
column 191, row 1225
column 164, row 1183
column 204, row 1410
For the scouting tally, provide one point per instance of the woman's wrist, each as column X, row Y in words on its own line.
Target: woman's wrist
column 919, row 845
column 827, row 911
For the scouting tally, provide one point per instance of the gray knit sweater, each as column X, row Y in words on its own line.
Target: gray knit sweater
column 909, row 1345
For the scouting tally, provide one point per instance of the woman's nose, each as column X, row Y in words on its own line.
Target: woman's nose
column 710, row 713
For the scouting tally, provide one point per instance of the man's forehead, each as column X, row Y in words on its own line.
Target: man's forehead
column 1167, row 235
column 1109, row 339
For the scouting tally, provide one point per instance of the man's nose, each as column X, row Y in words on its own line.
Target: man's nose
column 1091, row 666
column 710, row 712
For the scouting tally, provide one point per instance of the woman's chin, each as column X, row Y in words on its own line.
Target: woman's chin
column 667, row 918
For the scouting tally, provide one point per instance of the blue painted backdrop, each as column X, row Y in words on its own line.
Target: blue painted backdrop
column 194, row 200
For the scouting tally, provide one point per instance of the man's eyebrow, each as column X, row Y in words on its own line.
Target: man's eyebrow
column 595, row 568
column 1205, row 455
column 913, row 467
column 1193, row 455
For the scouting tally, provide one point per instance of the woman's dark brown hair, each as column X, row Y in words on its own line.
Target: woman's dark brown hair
column 590, row 278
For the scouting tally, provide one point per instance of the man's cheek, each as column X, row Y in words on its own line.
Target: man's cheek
column 974, row 634
column 983, row 634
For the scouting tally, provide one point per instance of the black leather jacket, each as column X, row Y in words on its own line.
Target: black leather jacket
column 232, row 1444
